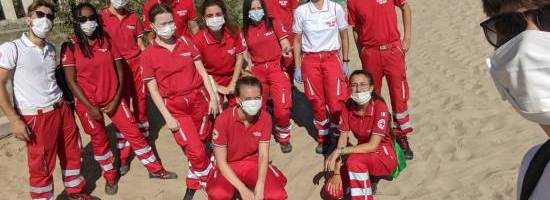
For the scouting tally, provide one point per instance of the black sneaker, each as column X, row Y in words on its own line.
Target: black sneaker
column 163, row 174
column 404, row 142
column 286, row 148
column 189, row 193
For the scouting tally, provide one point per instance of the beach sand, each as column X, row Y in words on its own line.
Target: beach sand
column 467, row 142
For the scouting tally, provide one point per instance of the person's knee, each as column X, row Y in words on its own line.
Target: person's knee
column 219, row 193
column 276, row 194
column 354, row 162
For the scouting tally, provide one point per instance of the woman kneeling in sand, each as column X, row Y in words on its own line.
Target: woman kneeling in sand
column 367, row 117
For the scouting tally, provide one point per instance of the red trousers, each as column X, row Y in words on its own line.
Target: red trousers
column 325, row 87
column 220, row 188
column 53, row 133
column 389, row 61
column 123, row 119
column 358, row 169
column 191, row 112
column 277, row 83
column 138, row 97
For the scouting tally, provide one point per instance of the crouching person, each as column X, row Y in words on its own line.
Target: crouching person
column 241, row 146
column 367, row 118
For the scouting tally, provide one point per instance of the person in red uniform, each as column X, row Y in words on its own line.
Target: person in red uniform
column 126, row 33
column 383, row 54
column 179, row 86
column 367, row 117
column 223, row 46
column 267, row 42
column 93, row 70
column 282, row 11
column 321, row 32
column 39, row 115
column 185, row 17
column 241, row 146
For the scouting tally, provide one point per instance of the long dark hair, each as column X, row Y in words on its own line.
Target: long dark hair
column 374, row 96
column 247, row 21
column 228, row 24
column 81, row 37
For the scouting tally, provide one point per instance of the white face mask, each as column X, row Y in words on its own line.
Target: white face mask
column 361, row 98
column 88, row 27
column 215, row 23
column 521, row 71
column 251, row 107
column 166, row 31
column 41, row 27
column 118, row 4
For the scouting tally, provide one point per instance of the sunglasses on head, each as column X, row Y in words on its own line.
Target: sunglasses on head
column 83, row 19
column 40, row 14
column 502, row 28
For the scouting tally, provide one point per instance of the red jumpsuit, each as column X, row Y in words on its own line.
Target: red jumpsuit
column 182, row 10
column 242, row 155
column 281, row 11
column 220, row 56
column 265, row 50
column 97, row 78
column 359, row 167
column 125, row 33
column 182, row 89
column 381, row 53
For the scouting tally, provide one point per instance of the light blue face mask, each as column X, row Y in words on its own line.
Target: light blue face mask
column 256, row 15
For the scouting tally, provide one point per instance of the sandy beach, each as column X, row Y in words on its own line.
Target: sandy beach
column 468, row 143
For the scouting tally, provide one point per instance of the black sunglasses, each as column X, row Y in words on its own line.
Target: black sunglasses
column 83, row 19
column 502, row 28
column 40, row 14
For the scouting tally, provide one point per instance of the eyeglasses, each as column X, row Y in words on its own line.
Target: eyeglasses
column 502, row 28
column 40, row 14
column 83, row 19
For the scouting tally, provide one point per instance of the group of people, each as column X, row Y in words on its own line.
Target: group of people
column 195, row 77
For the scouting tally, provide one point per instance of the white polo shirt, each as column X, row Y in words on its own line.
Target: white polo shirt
column 34, row 82
column 320, row 28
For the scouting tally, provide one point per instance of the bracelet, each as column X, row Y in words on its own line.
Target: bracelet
column 345, row 60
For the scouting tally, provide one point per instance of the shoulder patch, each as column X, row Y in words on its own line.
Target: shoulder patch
column 381, row 123
column 257, row 133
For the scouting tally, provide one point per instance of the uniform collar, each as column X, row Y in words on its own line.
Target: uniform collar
column 314, row 9
column 111, row 14
column 157, row 45
column 27, row 42
column 209, row 38
column 236, row 117
column 369, row 110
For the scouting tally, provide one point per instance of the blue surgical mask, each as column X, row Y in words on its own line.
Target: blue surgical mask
column 256, row 15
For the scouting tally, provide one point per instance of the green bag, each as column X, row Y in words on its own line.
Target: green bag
column 401, row 162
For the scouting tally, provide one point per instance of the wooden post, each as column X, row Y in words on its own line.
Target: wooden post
column 26, row 4
column 9, row 9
